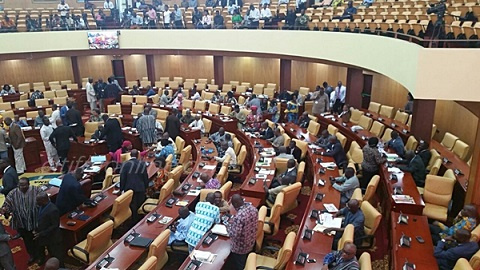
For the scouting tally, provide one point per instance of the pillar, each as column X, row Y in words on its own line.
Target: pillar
column 285, row 74
column 354, row 86
column 422, row 119
column 218, row 70
column 76, row 71
column 150, row 68
column 473, row 189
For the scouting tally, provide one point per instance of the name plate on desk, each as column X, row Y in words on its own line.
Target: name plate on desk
column 404, row 131
column 368, row 114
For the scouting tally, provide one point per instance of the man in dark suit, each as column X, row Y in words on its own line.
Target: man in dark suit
column 424, row 152
column 334, row 149
column 112, row 132
column 6, row 258
column 267, row 131
column 74, row 120
column 172, row 125
column 70, row 195
column 10, row 177
column 292, row 149
column 414, row 166
column 48, row 232
column 60, row 139
column 291, row 173
column 133, row 176
column 460, row 247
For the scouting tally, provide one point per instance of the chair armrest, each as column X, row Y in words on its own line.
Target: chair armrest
column 143, row 207
column 97, row 184
column 369, row 238
column 264, row 267
column 83, row 251
column 270, row 248
column 272, row 225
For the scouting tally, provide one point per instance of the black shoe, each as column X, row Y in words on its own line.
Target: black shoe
column 31, row 260
column 16, row 236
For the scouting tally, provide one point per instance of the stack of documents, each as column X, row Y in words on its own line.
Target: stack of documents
column 327, row 220
column 403, row 199
column 220, row 229
column 203, row 256
column 92, row 169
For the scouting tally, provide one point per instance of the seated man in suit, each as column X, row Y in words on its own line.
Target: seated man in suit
column 277, row 140
column 334, row 149
column 181, row 226
column 10, row 177
column 460, row 246
column 70, row 195
column 294, row 150
column 396, row 144
column 48, row 232
column 274, row 191
column 290, row 172
column 415, row 166
column 466, row 219
column 342, row 259
column 266, row 132
column 218, row 136
column 346, row 184
column 424, row 152
column 304, row 120
column 324, row 139
column 353, row 215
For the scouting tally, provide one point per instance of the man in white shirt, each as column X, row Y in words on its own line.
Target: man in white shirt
column 63, row 8
column 91, row 98
column 166, row 17
column 197, row 124
column 300, row 4
column 136, row 21
column 253, row 16
column 338, row 97
column 265, row 13
column 108, row 5
column 194, row 95
column 55, row 115
column 228, row 152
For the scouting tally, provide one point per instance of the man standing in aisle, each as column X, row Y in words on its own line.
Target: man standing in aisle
column 63, row 8
column 60, row 139
column 22, row 205
column 91, row 97
column 52, row 154
column 112, row 132
column 133, row 176
column 10, row 177
column 338, row 99
column 17, row 139
column 242, row 230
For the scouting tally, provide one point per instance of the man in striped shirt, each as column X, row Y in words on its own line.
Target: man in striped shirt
column 21, row 202
column 206, row 213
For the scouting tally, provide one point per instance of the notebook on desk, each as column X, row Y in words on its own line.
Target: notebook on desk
column 141, row 242
column 56, row 182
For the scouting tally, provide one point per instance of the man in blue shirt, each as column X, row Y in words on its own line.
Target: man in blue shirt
column 181, row 227
column 353, row 215
column 70, row 195
column 396, row 144
column 461, row 247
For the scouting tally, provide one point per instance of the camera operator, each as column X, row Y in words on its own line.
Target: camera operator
column 439, row 10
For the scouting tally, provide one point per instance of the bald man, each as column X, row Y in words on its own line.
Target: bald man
column 60, row 139
column 342, row 259
column 242, row 229
column 181, row 227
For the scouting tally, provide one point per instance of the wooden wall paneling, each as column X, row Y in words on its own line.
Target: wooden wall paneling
column 95, row 66
column 186, row 66
column 252, row 70
column 35, row 70
column 312, row 74
column 299, row 74
column 387, row 91
column 135, row 67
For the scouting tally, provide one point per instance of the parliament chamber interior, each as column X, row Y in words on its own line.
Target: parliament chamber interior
column 274, row 134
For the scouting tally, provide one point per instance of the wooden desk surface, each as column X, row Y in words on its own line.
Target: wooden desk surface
column 320, row 244
column 402, row 128
column 455, row 163
column 125, row 255
column 419, row 254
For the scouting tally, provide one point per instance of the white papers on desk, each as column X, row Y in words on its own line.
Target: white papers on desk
column 203, row 256
column 356, row 128
column 330, row 116
column 220, row 229
column 26, row 128
column 93, row 169
column 403, row 199
column 267, row 172
column 193, row 192
column 328, row 221
column 328, row 164
column 209, row 167
column 394, row 170
column 331, row 208
column 391, row 157
column 313, row 146
column 261, row 176
column 267, row 154
column 126, row 128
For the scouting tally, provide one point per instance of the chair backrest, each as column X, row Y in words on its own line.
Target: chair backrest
column 374, row 107
column 242, row 155
column 286, row 139
column 136, row 109
column 207, row 124
column 342, row 139
column 475, row 234
column 332, row 130
column 241, row 89
column 61, row 93
column 114, row 109
column 450, row 174
column 236, row 145
column 226, row 110
column 365, row 122
column 5, row 106
column 41, row 102
column 377, row 128
column 158, row 248
column 433, row 158
column 401, row 117
column 175, row 174
column 387, row 135
column 434, row 131
column 290, row 196
column 60, row 101
column 149, row 264
column 107, row 181
column 125, row 157
column 371, row 188
column 222, row 175
column 347, row 236
column 461, row 149
column 214, row 108
column 463, row 264
column 302, row 145
column 300, row 171
column 275, row 212
column 262, row 214
column 438, row 190
column 372, row 218
column 166, row 190
column 121, row 208
column 355, row 117
column 412, row 143
column 365, row 261
column 20, row 104
column 141, row 99
column 200, row 105
column 449, row 140
column 313, row 128
column 285, row 253
column 280, row 165
column 31, row 115
column 356, row 155
column 49, row 94
column 98, row 240
column 435, row 167
column 24, row 87
column 186, row 103
column 386, row 111
column 226, row 188
column 185, row 155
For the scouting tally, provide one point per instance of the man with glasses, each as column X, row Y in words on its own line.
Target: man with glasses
column 342, row 259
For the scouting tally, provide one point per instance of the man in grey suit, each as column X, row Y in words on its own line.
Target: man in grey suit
column 291, row 173
column 6, row 257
